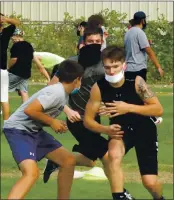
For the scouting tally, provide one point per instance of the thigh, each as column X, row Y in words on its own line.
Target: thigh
column 146, row 146
column 22, row 145
column 29, row 167
column 46, row 143
column 91, row 144
column 60, row 156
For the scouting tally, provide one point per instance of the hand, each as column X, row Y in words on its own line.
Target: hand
column 161, row 72
column 73, row 116
column 58, row 126
column 82, row 30
column 117, row 108
column 102, row 110
column 3, row 19
column 114, row 131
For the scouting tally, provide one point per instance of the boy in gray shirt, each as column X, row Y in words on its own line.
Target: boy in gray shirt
column 29, row 143
column 136, row 46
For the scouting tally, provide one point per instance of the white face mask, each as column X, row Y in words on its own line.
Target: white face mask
column 115, row 78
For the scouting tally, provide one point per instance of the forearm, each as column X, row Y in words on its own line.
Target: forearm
column 12, row 61
column 45, row 73
column 146, row 110
column 39, row 116
column 66, row 109
column 154, row 59
column 12, row 21
column 94, row 126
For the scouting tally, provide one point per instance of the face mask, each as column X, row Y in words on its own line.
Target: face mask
column 115, row 78
column 90, row 55
column 144, row 25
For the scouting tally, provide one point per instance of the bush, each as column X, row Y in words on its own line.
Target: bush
column 61, row 39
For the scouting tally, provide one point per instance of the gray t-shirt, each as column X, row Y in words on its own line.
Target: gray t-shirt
column 52, row 98
column 92, row 74
column 135, row 42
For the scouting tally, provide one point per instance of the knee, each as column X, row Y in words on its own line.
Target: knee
column 32, row 173
column 69, row 161
column 91, row 163
column 150, row 183
column 115, row 156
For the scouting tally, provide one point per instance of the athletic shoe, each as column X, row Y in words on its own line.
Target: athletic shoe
column 49, row 169
column 128, row 196
column 157, row 120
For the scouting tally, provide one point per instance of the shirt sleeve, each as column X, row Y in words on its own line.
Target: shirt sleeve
column 9, row 30
column 142, row 40
column 48, row 99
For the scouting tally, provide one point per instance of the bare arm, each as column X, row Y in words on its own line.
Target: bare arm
column 35, row 111
column 11, row 62
column 154, row 59
column 12, row 21
column 41, row 68
column 152, row 106
column 91, row 111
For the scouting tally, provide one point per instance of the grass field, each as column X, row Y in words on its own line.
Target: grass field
column 97, row 189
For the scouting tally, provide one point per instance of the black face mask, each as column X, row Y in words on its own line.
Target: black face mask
column 78, row 33
column 144, row 24
column 90, row 55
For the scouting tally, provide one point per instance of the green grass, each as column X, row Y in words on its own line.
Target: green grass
column 97, row 189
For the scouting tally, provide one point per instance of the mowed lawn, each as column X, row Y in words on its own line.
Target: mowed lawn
column 97, row 189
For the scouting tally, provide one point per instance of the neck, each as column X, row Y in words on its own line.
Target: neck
column 139, row 26
column 68, row 87
column 119, row 84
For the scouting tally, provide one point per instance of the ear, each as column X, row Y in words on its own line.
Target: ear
column 124, row 66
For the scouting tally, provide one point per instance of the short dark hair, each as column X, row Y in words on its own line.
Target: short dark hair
column 113, row 53
column 92, row 31
column 83, row 23
column 69, row 70
column 95, row 20
column 54, row 70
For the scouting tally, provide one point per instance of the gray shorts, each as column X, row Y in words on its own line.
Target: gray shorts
column 17, row 83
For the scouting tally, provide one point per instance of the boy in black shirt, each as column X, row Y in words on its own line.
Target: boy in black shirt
column 5, row 35
column 129, row 104
column 20, row 65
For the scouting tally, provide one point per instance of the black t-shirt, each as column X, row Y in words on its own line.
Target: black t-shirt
column 23, row 51
column 5, row 36
column 126, row 93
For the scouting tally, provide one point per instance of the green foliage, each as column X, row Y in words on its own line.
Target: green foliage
column 61, row 39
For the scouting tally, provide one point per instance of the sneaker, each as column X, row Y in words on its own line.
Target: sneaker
column 50, row 167
column 157, row 120
column 128, row 196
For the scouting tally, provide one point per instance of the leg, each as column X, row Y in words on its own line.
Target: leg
column 146, row 147
column 67, row 162
column 30, row 174
column 153, row 185
column 24, row 96
column 115, row 153
column 82, row 160
column 5, row 110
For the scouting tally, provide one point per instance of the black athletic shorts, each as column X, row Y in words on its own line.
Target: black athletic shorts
column 143, row 136
column 91, row 144
column 132, row 75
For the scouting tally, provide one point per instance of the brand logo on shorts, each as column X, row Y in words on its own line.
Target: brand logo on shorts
column 31, row 154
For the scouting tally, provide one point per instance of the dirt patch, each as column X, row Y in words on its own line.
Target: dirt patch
column 130, row 177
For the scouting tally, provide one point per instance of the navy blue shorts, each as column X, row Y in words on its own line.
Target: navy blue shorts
column 30, row 145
